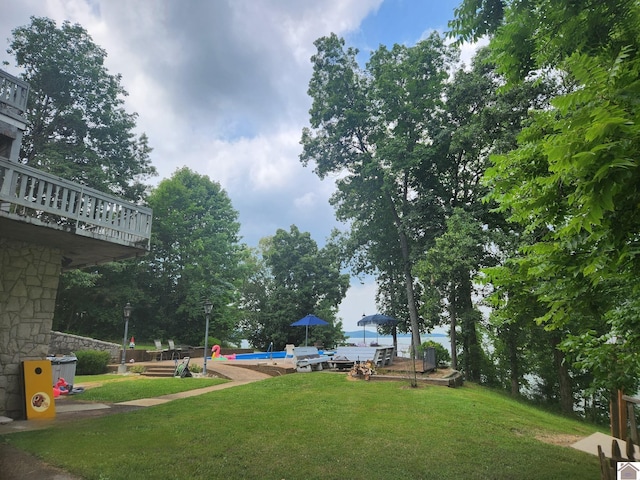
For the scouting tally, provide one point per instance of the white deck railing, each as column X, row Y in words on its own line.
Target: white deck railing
column 29, row 195
column 13, row 92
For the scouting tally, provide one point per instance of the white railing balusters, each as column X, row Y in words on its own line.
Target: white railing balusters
column 27, row 192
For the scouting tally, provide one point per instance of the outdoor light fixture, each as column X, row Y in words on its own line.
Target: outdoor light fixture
column 207, row 312
column 126, row 314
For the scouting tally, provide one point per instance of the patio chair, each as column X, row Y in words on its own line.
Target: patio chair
column 175, row 351
column 159, row 351
column 289, row 352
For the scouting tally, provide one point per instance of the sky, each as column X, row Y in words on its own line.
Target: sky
column 220, row 86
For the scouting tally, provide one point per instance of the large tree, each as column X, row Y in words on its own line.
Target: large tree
column 78, row 128
column 373, row 128
column 573, row 180
column 195, row 255
column 292, row 278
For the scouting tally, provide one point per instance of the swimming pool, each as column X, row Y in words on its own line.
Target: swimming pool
column 260, row 355
column 265, row 355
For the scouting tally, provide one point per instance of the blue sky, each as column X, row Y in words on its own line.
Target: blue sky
column 220, row 86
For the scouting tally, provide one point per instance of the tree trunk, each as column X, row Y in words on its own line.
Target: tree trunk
column 408, row 277
column 564, row 379
column 514, row 364
column 472, row 358
column 453, row 318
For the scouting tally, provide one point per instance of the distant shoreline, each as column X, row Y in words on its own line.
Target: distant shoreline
column 372, row 334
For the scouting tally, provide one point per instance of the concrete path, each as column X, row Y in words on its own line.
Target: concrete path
column 69, row 410
column 590, row 445
column 237, row 375
column 16, row 464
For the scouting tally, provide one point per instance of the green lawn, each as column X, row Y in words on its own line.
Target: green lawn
column 118, row 388
column 320, row 426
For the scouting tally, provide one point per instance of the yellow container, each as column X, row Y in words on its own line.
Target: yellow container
column 38, row 389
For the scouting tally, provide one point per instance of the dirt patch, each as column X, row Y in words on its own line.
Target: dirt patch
column 561, row 439
column 18, row 465
column 404, row 366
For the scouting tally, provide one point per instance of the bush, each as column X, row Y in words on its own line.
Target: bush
column 92, row 362
column 443, row 358
column 137, row 369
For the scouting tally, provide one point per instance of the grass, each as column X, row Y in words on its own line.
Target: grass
column 320, row 426
column 118, row 388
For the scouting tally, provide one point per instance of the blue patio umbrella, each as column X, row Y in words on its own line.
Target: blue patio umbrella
column 305, row 322
column 376, row 319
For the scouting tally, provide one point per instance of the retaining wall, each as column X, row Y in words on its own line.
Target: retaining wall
column 67, row 343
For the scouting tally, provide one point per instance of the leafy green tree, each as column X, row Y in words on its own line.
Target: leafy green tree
column 572, row 181
column 449, row 267
column 90, row 302
column 291, row 278
column 195, row 255
column 533, row 35
column 477, row 121
column 372, row 129
column 78, row 128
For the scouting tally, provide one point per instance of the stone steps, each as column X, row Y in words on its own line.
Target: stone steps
column 159, row 371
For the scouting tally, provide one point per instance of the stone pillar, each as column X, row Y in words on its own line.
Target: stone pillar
column 29, row 276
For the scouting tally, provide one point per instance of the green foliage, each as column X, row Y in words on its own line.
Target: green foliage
column 534, row 35
column 92, row 362
column 293, row 278
column 137, row 369
column 372, row 128
column 449, row 268
column 571, row 183
column 476, row 18
column 195, row 255
column 78, row 128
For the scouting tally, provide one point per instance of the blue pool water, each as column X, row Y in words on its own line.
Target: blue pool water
column 260, row 355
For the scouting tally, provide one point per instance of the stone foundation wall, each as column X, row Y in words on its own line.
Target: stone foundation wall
column 67, row 343
column 29, row 276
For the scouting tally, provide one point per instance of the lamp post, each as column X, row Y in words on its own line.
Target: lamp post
column 207, row 312
column 126, row 314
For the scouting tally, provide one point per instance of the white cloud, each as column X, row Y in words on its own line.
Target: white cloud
column 359, row 301
column 468, row 50
column 221, row 87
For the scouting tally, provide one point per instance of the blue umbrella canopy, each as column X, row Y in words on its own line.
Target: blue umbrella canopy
column 376, row 319
column 305, row 322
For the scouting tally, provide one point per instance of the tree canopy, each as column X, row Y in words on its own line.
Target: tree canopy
column 572, row 181
column 371, row 127
column 292, row 278
column 78, row 128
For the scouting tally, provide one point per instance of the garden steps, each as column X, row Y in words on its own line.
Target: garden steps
column 159, row 371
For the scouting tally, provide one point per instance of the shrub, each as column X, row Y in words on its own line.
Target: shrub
column 195, row 368
column 137, row 369
column 443, row 358
column 92, row 362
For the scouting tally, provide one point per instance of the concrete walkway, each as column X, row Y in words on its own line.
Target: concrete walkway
column 16, row 464
column 590, row 445
column 67, row 409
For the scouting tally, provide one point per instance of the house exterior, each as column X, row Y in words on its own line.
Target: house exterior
column 47, row 225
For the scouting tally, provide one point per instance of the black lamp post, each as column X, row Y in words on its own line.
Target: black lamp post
column 207, row 312
column 126, row 314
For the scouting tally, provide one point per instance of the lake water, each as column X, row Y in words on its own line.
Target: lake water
column 404, row 341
